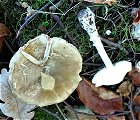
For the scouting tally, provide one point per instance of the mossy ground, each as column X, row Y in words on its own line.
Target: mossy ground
column 116, row 18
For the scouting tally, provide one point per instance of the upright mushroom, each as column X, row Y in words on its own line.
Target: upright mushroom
column 111, row 74
column 45, row 71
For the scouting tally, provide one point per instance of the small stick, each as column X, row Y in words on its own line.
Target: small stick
column 55, row 115
column 105, row 116
column 91, row 64
column 1, row 62
column 60, row 23
column 60, row 111
column 32, row 17
column 110, row 43
column 131, row 103
column 72, row 110
column 7, row 44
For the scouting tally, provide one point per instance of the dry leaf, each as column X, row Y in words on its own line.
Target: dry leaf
column 13, row 107
column 99, row 100
column 136, row 28
column 4, row 31
column 82, row 112
column 135, row 76
column 116, row 118
column 137, row 19
column 110, row 2
column 136, row 108
column 42, row 28
column 125, row 88
column 86, row 117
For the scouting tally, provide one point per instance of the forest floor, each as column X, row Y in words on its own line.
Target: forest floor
column 119, row 44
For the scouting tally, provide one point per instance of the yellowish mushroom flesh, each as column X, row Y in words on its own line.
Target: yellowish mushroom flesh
column 47, row 81
column 62, row 70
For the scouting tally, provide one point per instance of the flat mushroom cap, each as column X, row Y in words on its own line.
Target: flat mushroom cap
column 61, row 71
column 112, row 76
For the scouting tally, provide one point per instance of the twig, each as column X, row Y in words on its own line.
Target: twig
column 72, row 110
column 54, row 7
column 72, row 8
column 1, row 62
column 91, row 64
column 55, row 115
column 67, row 11
column 131, row 104
column 7, row 118
column 115, row 45
column 94, row 56
column 105, row 116
column 46, row 12
column 107, row 20
column 7, row 44
column 110, row 43
column 89, row 73
column 32, row 17
column 60, row 23
column 136, row 92
column 60, row 111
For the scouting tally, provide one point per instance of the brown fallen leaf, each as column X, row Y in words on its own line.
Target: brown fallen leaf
column 42, row 28
column 4, row 31
column 136, row 108
column 137, row 19
column 82, row 112
column 136, row 27
column 109, row 2
column 99, row 100
column 134, row 74
column 116, row 118
column 125, row 88
column 86, row 117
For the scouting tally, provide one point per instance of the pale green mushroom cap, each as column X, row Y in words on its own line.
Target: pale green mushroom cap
column 60, row 71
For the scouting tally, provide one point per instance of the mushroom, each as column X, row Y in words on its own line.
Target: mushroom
column 45, row 71
column 111, row 74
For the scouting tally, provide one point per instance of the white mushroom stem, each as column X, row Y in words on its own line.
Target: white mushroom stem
column 87, row 19
column 111, row 74
column 99, row 46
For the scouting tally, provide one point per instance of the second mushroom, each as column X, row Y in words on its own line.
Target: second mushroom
column 111, row 74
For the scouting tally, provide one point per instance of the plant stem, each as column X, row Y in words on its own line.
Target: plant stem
column 99, row 46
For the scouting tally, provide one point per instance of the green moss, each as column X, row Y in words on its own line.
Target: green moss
column 42, row 115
